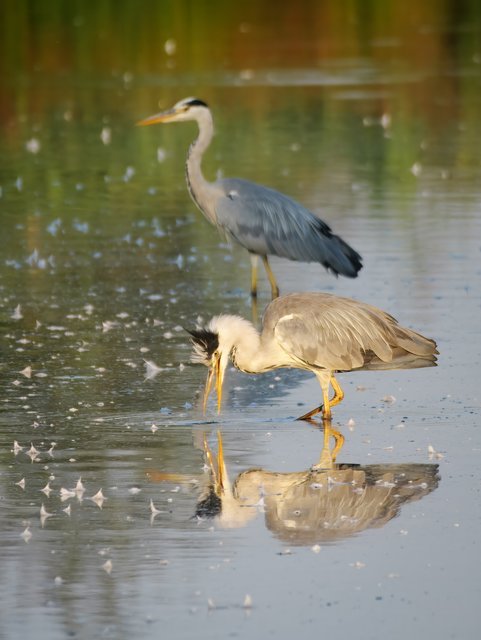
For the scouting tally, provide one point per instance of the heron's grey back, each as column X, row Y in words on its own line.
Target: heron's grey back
column 341, row 334
column 267, row 222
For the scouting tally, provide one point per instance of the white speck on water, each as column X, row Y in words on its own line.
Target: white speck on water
column 16, row 448
column 168, row 335
column 58, row 581
column 98, row 498
column 129, row 173
column 403, row 532
column 385, row 120
column 154, row 428
column 134, row 490
column 161, row 154
column 27, row 372
column 21, row 483
column 107, row 566
column 44, row 514
column 66, row 494
column 67, row 510
column 210, row 604
column 47, row 489
column 247, row 601
column 434, row 454
column 106, row 135
column 26, row 534
column 33, row 453
column 153, row 509
column 351, row 423
column 316, row 548
column 170, row 46
column 151, row 369
column 389, row 399
column 358, row 564
column 416, row 169
column 17, row 313
column 79, row 487
column 33, row 145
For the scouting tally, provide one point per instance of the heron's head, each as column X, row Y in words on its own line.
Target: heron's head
column 213, row 346
column 186, row 109
column 207, row 351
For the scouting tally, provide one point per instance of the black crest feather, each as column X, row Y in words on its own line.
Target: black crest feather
column 205, row 343
column 195, row 102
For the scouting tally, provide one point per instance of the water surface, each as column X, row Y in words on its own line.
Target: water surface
column 371, row 121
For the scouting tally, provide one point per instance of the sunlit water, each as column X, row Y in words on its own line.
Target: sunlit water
column 104, row 264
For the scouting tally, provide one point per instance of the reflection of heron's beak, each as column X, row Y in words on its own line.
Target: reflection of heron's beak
column 219, row 472
column 219, row 379
column 164, row 116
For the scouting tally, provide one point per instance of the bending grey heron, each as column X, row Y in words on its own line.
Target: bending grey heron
column 318, row 332
column 260, row 219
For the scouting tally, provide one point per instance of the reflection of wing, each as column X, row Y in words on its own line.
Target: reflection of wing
column 341, row 334
column 267, row 222
column 325, row 506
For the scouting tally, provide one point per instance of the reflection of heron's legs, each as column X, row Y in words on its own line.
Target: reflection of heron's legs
column 254, row 259
column 339, row 439
column 270, row 275
column 328, row 458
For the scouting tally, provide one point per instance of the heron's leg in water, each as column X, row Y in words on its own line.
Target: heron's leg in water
column 270, row 275
column 254, row 259
column 324, row 378
column 338, row 392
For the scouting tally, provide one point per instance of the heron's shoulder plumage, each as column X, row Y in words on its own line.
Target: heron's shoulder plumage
column 341, row 334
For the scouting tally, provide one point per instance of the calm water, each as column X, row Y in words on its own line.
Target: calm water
column 104, row 260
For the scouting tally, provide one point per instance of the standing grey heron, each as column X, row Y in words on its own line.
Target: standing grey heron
column 318, row 332
column 260, row 219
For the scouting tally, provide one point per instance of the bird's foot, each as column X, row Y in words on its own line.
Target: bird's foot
column 310, row 414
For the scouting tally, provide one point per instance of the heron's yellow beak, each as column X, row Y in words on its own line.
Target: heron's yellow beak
column 164, row 116
column 218, row 371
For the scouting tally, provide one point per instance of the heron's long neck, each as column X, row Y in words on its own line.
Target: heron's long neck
column 252, row 354
column 199, row 187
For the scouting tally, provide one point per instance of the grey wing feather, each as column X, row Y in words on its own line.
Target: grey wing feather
column 267, row 222
column 340, row 334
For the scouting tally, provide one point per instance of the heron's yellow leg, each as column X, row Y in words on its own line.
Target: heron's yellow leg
column 325, row 407
column 338, row 392
column 254, row 258
column 270, row 275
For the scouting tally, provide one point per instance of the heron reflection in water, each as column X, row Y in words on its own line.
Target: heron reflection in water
column 262, row 220
column 317, row 505
column 318, row 332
